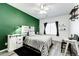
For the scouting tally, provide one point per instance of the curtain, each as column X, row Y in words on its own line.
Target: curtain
column 51, row 29
column 57, row 28
column 45, row 27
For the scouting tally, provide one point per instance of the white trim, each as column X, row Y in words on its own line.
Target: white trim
column 3, row 50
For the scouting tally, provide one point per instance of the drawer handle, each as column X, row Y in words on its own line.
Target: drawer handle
column 18, row 43
column 19, row 39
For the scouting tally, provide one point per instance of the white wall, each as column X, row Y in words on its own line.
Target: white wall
column 74, row 27
column 62, row 20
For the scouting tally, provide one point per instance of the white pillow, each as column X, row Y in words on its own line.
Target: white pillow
column 31, row 33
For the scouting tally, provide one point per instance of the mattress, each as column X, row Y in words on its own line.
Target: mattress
column 40, row 42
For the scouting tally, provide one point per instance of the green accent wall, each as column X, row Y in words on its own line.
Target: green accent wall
column 10, row 18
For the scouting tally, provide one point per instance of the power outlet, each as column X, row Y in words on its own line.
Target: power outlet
column 6, row 43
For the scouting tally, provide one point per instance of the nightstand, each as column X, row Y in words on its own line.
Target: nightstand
column 15, row 41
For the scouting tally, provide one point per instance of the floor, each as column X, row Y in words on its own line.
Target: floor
column 54, row 51
column 6, row 53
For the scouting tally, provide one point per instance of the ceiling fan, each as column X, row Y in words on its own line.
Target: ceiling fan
column 42, row 8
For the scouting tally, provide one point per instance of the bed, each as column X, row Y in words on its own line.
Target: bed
column 39, row 42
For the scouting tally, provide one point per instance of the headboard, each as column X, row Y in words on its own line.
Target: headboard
column 27, row 30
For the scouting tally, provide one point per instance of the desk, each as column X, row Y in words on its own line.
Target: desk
column 71, row 41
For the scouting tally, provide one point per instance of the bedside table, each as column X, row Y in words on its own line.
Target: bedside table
column 15, row 41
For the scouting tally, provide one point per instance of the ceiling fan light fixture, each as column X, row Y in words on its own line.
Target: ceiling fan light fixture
column 46, row 8
column 42, row 12
column 43, row 7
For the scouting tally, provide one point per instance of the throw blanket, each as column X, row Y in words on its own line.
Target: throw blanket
column 40, row 42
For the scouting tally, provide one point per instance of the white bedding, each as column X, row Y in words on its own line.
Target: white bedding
column 40, row 42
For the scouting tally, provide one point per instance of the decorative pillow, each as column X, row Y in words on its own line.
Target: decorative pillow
column 31, row 33
column 27, row 33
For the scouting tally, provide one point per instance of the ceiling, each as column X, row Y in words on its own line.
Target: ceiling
column 55, row 9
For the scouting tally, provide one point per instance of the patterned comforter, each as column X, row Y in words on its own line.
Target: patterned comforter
column 40, row 42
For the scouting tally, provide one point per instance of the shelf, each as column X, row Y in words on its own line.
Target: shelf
column 73, row 10
column 73, row 16
column 73, row 13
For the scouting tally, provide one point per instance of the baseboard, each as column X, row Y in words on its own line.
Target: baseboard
column 3, row 50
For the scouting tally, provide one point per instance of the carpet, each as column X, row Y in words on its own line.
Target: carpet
column 27, row 51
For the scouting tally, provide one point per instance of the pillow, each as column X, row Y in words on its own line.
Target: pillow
column 27, row 33
column 31, row 33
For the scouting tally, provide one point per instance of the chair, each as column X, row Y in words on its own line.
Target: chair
column 75, row 37
column 63, row 45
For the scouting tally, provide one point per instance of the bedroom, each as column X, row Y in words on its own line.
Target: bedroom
column 35, row 29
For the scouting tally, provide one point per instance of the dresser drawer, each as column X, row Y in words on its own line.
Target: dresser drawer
column 18, row 45
column 14, row 42
column 19, row 39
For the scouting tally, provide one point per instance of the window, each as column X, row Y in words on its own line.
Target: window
column 51, row 28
